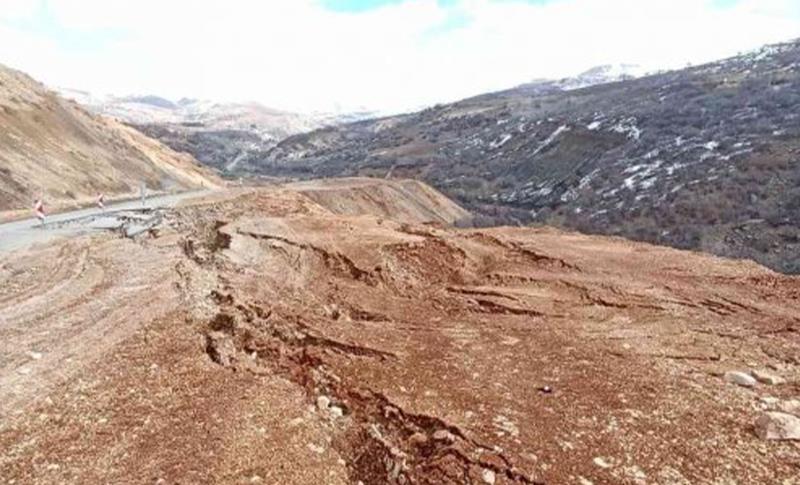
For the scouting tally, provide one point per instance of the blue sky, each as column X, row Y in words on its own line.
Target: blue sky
column 392, row 55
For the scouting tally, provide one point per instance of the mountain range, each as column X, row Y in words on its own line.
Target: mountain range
column 218, row 134
column 701, row 158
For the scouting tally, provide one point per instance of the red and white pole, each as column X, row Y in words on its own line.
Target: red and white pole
column 38, row 209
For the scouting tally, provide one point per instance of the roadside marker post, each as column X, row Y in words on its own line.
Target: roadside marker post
column 38, row 209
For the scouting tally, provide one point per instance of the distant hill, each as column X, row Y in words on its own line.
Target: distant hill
column 705, row 158
column 604, row 74
column 52, row 147
column 217, row 134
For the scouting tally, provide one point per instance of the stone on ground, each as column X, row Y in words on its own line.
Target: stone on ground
column 741, row 378
column 767, row 378
column 778, row 426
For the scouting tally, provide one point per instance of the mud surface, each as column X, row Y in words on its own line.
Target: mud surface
column 263, row 338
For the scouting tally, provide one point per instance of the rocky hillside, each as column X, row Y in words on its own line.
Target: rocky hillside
column 702, row 158
column 52, row 147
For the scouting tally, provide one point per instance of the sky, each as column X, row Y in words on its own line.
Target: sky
column 386, row 55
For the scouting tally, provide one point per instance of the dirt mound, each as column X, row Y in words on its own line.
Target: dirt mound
column 289, row 344
column 52, row 147
column 400, row 200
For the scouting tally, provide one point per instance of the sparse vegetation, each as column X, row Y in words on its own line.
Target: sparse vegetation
column 686, row 158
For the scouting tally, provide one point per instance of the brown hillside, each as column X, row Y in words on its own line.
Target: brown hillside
column 52, row 147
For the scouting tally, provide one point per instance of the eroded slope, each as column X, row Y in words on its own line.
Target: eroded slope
column 308, row 347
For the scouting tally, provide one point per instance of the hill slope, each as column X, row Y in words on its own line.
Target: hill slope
column 53, row 147
column 399, row 200
column 704, row 158
column 290, row 341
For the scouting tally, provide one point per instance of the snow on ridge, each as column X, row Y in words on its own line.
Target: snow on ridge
column 628, row 126
column 550, row 139
column 501, row 142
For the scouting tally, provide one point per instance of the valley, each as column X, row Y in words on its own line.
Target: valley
column 702, row 158
column 218, row 134
column 588, row 280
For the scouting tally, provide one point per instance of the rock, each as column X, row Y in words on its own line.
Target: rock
column 220, row 348
column 767, row 378
column 602, row 462
column 585, row 481
column 336, row 412
column 333, row 311
column 323, row 403
column 769, row 400
column 741, row 378
column 34, row 355
column 444, row 435
column 418, row 439
column 778, row 426
column 316, row 448
column 488, row 476
column 791, row 406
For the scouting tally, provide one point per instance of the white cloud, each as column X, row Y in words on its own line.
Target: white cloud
column 295, row 54
column 17, row 9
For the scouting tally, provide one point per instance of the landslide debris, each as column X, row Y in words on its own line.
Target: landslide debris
column 307, row 346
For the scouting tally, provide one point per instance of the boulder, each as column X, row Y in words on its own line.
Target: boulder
column 323, row 403
column 778, row 426
column 741, row 378
column 220, row 348
column 791, row 406
column 444, row 435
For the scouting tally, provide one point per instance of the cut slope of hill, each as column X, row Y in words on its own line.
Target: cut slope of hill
column 705, row 158
column 52, row 147
column 283, row 342
column 399, row 200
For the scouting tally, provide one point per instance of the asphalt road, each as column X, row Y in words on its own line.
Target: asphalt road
column 21, row 234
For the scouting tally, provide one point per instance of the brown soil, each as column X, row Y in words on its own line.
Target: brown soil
column 199, row 354
column 53, row 148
